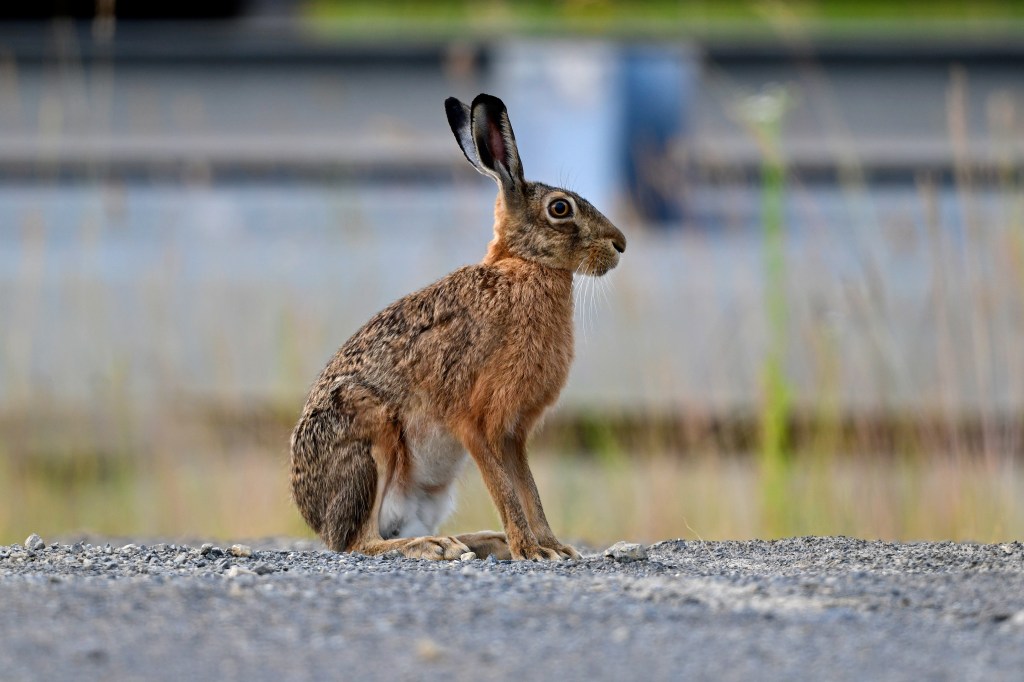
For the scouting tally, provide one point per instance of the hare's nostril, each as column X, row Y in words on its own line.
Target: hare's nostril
column 620, row 244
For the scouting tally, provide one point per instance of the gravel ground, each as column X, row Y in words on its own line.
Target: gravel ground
column 822, row 608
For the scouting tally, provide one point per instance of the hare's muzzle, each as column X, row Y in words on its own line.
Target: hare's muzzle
column 615, row 236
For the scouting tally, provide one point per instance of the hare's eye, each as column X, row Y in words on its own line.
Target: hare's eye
column 559, row 209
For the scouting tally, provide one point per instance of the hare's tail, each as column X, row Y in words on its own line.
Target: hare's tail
column 333, row 476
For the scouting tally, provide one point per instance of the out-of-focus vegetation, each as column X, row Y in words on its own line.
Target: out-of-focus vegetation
column 594, row 499
column 850, row 18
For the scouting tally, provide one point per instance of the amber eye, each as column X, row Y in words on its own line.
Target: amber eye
column 559, row 209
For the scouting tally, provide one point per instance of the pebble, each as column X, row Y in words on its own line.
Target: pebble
column 626, row 551
column 236, row 571
column 468, row 556
column 428, row 649
column 205, row 548
column 34, row 542
column 240, row 550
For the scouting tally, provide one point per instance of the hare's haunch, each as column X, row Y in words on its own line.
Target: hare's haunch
column 468, row 363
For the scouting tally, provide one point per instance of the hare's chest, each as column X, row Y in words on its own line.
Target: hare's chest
column 538, row 359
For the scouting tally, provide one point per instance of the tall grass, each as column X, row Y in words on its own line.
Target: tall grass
column 764, row 115
column 244, row 495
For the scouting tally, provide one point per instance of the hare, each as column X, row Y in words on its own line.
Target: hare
column 468, row 363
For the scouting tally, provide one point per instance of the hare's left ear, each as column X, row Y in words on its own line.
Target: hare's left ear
column 496, row 143
column 459, row 118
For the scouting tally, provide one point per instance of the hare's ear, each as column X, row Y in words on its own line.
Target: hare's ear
column 459, row 119
column 496, row 143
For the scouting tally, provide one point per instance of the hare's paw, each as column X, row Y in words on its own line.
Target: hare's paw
column 564, row 551
column 486, row 543
column 438, row 548
column 535, row 553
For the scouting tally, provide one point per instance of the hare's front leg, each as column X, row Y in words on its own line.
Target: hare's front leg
column 526, row 488
column 495, row 458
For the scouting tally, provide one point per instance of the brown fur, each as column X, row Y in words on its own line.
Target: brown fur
column 479, row 354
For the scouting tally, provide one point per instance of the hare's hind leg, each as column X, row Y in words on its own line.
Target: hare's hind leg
column 333, row 476
column 437, row 548
column 350, row 512
column 351, row 520
column 391, row 457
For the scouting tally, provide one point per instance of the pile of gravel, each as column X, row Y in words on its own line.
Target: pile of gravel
column 804, row 607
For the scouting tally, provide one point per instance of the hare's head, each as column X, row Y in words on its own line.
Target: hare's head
column 534, row 221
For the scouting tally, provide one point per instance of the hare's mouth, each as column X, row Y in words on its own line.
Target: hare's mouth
column 596, row 267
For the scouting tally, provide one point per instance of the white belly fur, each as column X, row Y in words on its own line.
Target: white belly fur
column 437, row 458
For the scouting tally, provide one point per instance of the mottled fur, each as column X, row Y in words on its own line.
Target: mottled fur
column 468, row 363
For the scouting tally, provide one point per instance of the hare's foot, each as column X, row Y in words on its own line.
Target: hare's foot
column 535, row 553
column 564, row 551
column 528, row 549
column 486, row 543
column 437, row 548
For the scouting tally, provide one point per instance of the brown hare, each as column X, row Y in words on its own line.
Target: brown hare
column 468, row 363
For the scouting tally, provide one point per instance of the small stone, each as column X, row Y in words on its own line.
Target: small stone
column 626, row 551
column 262, row 568
column 428, row 649
column 86, row 563
column 240, row 550
column 236, row 571
column 468, row 556
column 129, row 549
column 180, row 559
column 392, row 554
column 34, row 542
column 206, row 548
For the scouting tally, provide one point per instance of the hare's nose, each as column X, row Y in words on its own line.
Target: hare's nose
column 619, row 242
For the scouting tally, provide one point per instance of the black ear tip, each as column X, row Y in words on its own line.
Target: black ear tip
column 457, row 112
column 452, row 105
column 488, row 101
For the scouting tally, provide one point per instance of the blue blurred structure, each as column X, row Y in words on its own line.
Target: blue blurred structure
column 658, row 89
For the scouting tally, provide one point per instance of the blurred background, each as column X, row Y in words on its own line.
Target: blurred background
column 817, row 328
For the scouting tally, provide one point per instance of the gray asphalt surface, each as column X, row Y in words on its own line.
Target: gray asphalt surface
column 804, row 608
